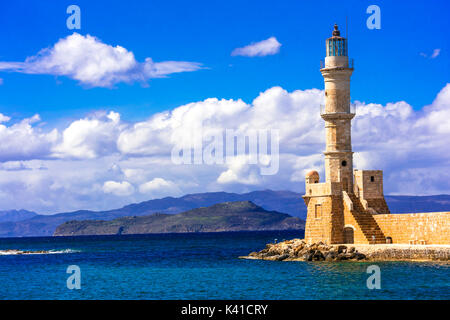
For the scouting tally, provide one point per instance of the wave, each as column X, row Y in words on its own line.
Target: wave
column 22, row 252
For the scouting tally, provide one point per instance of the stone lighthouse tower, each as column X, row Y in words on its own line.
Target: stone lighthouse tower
column 336, row 112
column 341, row 209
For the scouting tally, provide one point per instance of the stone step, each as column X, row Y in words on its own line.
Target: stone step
column 366, row 222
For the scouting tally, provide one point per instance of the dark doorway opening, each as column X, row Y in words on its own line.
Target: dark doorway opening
column 348, row 235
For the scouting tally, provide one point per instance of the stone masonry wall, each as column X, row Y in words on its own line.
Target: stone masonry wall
column 318, row 227
column 365, row 188
column 432, row 227
column 329, row 224
column 337, row 218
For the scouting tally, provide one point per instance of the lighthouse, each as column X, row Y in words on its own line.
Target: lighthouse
column 336, row 112
column 341, row 209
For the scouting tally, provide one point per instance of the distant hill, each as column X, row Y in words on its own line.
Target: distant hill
column 281, row 201
column 228, row 216
column 16, row 215
column 45, row 225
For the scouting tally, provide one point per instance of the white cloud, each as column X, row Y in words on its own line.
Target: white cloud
column 14, row 166
column 135, row 175
column 90, row 137
column 4, row 118
column 95, row 64
column 120, row 189
column 241, row 172
column 384, row 137
column 435, row 53
column 162, row 131
column 262, row 48
column 23, row 141
column 99, row 161
column 159, row 186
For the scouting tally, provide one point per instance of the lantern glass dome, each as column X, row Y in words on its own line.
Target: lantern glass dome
column 336, row 45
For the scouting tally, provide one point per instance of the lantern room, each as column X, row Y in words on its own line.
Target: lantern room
column 336, row 45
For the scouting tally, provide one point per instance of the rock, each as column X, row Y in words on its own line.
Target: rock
column 308, row 256
column 349, row 256
column 299, row 250
column 341, row 257
column 330, row 256
column 318, row 256
column 360, row 256
column 277, row 257
column 342, row 249
column 273, row 251
column 282, row 257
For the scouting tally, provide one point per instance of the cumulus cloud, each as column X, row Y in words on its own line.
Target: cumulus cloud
column 179, row 126
column 90, row 137
column 159, row 186
column 23, row 141
column 95, row 64
column 262, row 48
column 101, row 162
column 240, row 172
column 120, row 189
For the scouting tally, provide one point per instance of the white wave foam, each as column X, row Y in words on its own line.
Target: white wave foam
column 20, row 252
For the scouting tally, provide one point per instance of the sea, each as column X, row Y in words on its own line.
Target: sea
column 199, row 266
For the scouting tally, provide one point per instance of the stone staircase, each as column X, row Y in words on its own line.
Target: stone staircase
column 366, row 222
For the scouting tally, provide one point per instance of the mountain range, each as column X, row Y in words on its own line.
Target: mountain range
column 280, row 201
column 227, row 216
column 16, row 215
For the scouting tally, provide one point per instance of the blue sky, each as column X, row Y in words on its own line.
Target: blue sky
column 389, row 66
column 89, row 119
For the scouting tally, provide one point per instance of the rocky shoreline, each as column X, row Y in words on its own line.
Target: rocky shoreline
column 299, row 250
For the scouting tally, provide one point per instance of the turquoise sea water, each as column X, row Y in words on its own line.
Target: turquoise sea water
column 200, row 266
